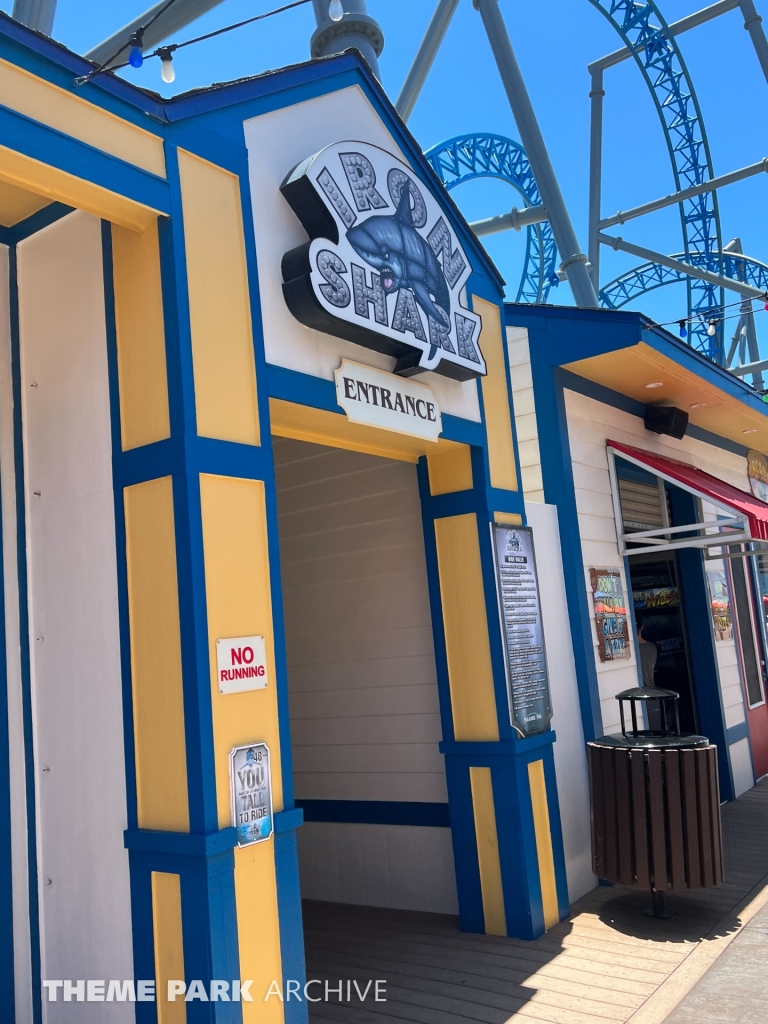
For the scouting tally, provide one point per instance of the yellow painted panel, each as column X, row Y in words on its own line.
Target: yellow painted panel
column 219, row 302
column 74, row 116
column 488, row 851
column 507, row 518
column 140, row 337
column 59, row 186
column 450, row 471
column 17, row 204
column 239, row 603
column 470, row 675
column 498, row 414
column 258, row 930
column 304, row 423
column 543, row 843
column 169, row 945
column 158, row 704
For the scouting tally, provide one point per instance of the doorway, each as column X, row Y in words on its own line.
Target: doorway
column 658, row 606
column 362, row 683
column 749, row 585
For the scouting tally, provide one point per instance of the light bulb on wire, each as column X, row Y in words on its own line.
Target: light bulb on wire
column 712, row 329
column 335, row 10
column 167, row 70
column 135, row 55
column 683, row 331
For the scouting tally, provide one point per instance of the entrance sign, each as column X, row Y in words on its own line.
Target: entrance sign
column 383, row 267
column 610, row 614
column 251, row 789
column 530, row 704
column 241, row 664
column 383, row 400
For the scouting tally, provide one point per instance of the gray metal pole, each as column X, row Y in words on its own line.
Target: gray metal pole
column 753, row 23
column 746, row 329
column 514, row 220
column 596, row 94
column 685, row 268
column 422, row 62
column 36, row 14
column 177, row 17
column 355, row 30
column 574, row 261
column 687, row 193
column 753, row 368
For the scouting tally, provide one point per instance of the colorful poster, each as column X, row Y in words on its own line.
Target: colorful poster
column 610, row 614
column 720, row 603
column 656, row 598
column 251, row 787
column 757, row 471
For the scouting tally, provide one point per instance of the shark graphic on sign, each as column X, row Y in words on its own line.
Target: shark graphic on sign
column 383, row 267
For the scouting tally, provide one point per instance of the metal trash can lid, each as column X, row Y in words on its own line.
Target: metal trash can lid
column 647, row 693
column 647, row 740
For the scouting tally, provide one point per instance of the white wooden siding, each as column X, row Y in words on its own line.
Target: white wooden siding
column 590, row 425
column 365, row 720
column 525, row 414
column 85, row 915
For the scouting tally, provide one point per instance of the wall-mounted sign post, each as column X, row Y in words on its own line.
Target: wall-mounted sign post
column 251, row 790
column 530, row 705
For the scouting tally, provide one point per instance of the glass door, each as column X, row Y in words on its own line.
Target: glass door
column 750, row 585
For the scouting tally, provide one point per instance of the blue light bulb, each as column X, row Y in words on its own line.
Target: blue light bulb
column 135, row 57
column 683, row 331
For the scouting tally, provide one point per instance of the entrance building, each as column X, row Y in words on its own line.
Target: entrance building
column 670, row 529
column 264, row 549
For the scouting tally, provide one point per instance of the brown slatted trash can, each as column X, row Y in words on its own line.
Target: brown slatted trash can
column 655, row 803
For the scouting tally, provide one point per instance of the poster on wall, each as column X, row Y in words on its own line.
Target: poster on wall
column 757, row 471
column 530, row 704
column 251, row 791
column 720, row 604
column 610, row 614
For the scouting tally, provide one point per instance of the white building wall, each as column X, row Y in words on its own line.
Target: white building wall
column 590, row 425
column 525, row 413
column 277, row 141
column 365, row 720
column 79, row 765
column 22, row 965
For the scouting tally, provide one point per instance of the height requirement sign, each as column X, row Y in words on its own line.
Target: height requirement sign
column 530, row 706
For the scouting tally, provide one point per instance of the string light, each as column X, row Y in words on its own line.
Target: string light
column 135, row 54
column 167, row 70
column 712, row 328
column 683, row 331
column 335, row 10
column 136, row 57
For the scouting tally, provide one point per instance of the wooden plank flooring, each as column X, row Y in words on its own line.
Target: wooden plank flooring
column 598, row 966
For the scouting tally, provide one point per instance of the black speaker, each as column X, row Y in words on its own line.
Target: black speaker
column 666, row 419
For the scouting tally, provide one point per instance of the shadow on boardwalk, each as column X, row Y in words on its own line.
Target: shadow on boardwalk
column 599, row 965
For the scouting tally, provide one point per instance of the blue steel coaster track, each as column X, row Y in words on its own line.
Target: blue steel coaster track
column 645, row 32
column 466, row 157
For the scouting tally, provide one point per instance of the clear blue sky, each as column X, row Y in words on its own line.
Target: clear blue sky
column 554, row 40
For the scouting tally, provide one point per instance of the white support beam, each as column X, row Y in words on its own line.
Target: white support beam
column 514, row 220
column 685, row 268
column 687, row 193
column 36, row 14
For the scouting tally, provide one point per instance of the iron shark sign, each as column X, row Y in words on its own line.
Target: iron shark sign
column 383, row 268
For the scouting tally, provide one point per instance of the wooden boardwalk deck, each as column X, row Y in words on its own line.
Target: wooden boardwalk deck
column 602, row 964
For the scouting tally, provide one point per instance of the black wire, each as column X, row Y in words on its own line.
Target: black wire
column 141, row 29
column 171, row 47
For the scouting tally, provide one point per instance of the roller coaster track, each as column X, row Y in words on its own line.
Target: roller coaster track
column 492, row 156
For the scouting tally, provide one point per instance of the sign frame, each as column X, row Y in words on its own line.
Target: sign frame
column 544, row 715
column 248, row 833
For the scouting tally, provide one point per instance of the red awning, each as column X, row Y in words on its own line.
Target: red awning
column 702, row 484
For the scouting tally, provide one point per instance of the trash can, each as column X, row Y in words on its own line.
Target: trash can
column 655, row 801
